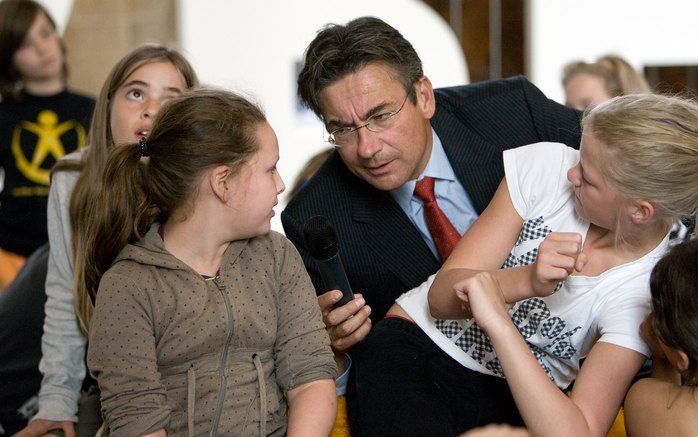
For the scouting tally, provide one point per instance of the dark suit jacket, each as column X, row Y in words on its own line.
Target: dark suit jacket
column 382, row 251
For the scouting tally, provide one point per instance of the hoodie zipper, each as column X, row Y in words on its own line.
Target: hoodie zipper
column 224, row 358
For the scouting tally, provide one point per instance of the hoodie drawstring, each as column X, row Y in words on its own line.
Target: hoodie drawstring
column 191, row 398
column 262, row 396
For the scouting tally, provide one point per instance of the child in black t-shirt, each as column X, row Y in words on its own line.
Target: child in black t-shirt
column 40, row 122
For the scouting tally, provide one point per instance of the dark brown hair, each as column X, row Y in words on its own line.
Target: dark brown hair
column 674, row 285
column 196, row 131
column 340, row 50
column 16, row 18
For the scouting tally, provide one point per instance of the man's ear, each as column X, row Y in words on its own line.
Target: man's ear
column 641, row 212
column 219, row 180
column 426, row 102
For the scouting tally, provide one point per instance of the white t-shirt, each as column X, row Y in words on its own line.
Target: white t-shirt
column 560, row 328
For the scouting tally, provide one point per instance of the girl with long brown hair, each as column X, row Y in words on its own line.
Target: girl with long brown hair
column 131, row 96
column 205, row 321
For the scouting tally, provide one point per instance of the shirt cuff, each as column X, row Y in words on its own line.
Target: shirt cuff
column 341, row 381
column 57, row 408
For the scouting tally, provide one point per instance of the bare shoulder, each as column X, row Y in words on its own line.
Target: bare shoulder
column 656, row 408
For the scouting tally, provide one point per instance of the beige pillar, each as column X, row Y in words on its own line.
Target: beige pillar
column 100, row 32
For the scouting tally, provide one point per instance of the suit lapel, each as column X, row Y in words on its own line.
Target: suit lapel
column 393, row 238
column 475, row 161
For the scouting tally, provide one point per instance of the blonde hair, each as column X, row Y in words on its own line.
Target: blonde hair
column 91, row 166
column 652, row 150
column 619, row 77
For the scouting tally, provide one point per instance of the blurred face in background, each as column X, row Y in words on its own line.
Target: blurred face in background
column 585, row 90
column 40, row 58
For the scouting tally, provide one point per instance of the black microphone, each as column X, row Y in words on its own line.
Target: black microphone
column 321, row 241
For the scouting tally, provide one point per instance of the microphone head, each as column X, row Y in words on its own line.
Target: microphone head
column 320, row 238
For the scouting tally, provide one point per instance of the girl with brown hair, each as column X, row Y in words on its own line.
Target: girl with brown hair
column 130, row 98
column 667, row 403
column 205, row 321
column 40, row 121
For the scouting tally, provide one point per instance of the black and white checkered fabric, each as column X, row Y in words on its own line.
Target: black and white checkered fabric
column 468, row 336
column 532, row 229
column 476, row 341
column 449, row 328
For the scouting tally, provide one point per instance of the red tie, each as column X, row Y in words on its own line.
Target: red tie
column 445, row 235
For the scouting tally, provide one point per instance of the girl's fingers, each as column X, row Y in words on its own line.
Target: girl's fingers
column 581, row 262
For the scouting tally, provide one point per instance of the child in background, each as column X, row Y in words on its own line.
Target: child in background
column 40, row 122
column 667, row 403
column 588, row 84
column 206, row 322
column 130, row 98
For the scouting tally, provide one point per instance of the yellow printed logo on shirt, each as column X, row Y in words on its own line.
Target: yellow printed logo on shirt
column 49, row 132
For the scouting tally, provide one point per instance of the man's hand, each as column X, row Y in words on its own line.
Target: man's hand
column 40, row 427
column 346, row 325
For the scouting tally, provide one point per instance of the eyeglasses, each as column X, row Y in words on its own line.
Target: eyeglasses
column 346, row 136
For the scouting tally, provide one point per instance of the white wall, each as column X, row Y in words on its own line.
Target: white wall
column 60, row 12
column 642, row 31
column 254, row 47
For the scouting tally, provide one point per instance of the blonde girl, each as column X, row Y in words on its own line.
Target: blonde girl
column 633, row 178
column 577, row 233
column 588, row 84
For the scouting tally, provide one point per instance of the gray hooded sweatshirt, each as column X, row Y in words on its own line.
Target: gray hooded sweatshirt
column 171, row 349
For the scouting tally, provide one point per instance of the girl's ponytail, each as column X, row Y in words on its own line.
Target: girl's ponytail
column 144, row 183
column 623, row 78
column 121, row 213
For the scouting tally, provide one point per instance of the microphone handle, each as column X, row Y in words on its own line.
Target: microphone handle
column 332, row 272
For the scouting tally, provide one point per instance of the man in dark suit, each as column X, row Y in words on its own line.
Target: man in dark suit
column 390, row 129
